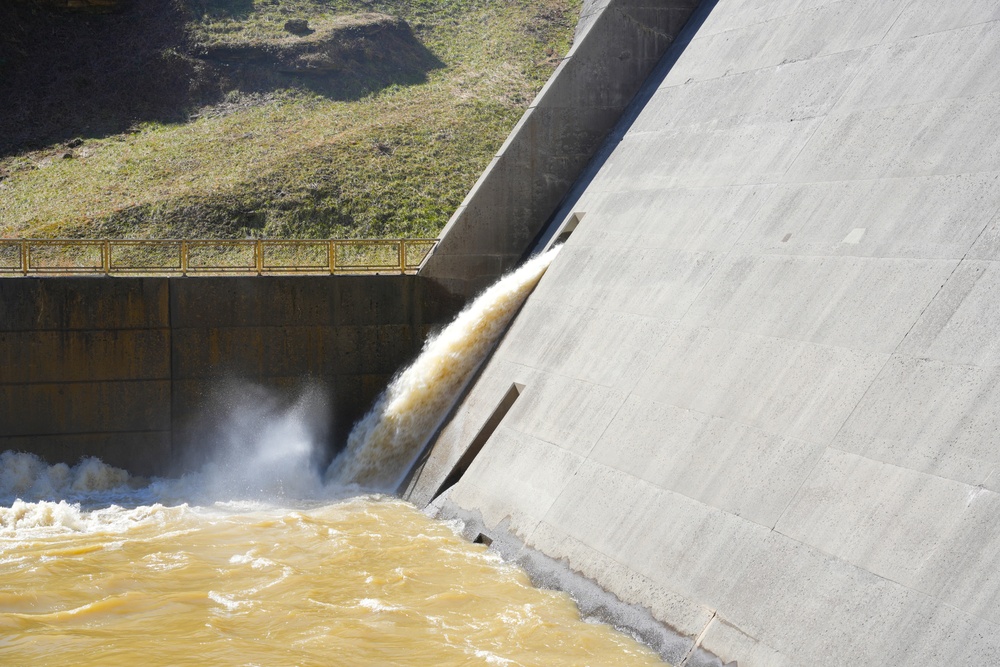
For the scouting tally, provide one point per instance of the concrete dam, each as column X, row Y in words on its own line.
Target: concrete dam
column 754, row 397
column 756, row 392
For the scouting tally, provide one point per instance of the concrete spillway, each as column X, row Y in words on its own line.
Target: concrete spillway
column 758, row 387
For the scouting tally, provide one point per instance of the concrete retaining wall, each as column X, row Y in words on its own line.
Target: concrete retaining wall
column 134, row 370
column 760, row 381
column 618, row 42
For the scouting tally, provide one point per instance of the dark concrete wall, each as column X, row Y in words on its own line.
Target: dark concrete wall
column 131, row 369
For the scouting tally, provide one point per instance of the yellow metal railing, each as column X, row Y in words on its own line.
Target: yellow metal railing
column 28, row 257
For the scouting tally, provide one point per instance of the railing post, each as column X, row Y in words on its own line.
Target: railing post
column 402, row 256
column 184, row 258
column 259, row 252
column 24, row 258
column 106, row 256
column 332, row 249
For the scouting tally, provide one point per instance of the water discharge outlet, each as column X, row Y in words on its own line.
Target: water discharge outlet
column 383, row 445
column 568, row 228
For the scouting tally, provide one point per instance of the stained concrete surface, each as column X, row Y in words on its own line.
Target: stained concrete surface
column 761, row 379
column 141, row 371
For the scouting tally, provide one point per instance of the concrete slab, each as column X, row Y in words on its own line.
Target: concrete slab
column 704, row 157
column 895, row 75
column 879, row 143
column 85, row 407
column 783, row 94
column 651, row 282
column 81, row 356
column 933, row 217
column 205, row 302
column 903, row 526
column 723, row 638
column 146, row 453
column 796, row 389
column 929, row 416
column 529, row 469
column 924, row 17
column 961, row 569
column 750, row 572
column 568, row 413
column 275, row 351
column 743, row 470
column 565, row 343
column 691, row 219
column 960, row 323
column 83, row 303
column 857, row 303
column 818, row 31
column 884, row 518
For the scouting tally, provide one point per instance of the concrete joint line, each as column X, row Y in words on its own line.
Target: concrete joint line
column 979, row 486
column 830, row 111
column 917, row 591
column 753, row 70
column 895, row 21
column 861, row 68
column 698, row 640
column 876, row 377
column 611, row 421
column 776, row 18
column 940, row 32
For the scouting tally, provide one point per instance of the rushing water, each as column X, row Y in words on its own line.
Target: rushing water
column 391, row 434
column 259, row 559
column 110, row 576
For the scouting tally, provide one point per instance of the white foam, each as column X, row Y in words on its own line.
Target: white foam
column 22, row 516
column 226, row 601
column 376, row 605
column 27, row 477
column 250, row 558
column 492, row 658
column 25, row 519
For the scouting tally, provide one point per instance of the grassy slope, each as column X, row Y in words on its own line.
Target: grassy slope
column 299, row 164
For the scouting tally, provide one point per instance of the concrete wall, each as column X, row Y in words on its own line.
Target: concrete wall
column 761, row 381
column 618, row 42
column 135, row 370
column 85, row 369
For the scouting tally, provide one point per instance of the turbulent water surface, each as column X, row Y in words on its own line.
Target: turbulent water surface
column 363, row 580
column 258, row 559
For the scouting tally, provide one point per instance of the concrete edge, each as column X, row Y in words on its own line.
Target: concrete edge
column 594, row 602
column 528, row 178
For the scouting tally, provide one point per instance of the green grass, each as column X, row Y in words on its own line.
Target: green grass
column 394, row 162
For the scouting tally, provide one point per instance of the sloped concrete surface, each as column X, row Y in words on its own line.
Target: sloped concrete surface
column 617, row 44
column 761, row 381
